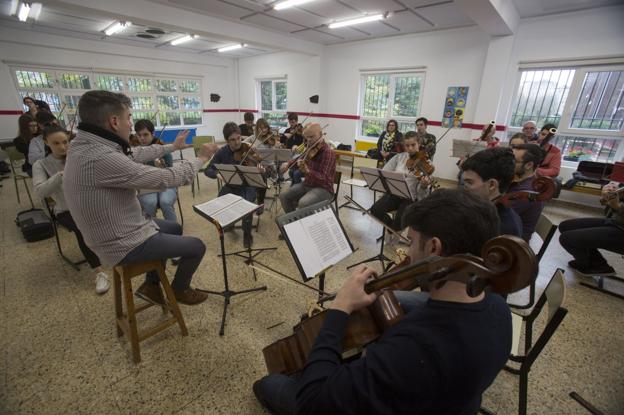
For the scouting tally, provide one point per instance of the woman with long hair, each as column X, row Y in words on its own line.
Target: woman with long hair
column 28, row 129
column 390, row 141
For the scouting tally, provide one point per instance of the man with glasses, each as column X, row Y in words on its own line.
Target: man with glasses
column 529, row 129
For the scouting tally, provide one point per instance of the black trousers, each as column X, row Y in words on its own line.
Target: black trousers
column 386, row 204
column 65, row 219
column 583, row 237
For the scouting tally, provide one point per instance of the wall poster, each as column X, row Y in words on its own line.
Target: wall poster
column 455, row 106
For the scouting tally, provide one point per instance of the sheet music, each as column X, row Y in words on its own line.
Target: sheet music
column 397, row 184
column 371, row 176
column 319, row 241
column 227, row 209
column 229, row 173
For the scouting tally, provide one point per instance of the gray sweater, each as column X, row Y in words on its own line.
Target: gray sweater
column 48, row 181
column 36, row 149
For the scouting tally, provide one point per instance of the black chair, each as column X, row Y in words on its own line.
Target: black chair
column 546, row 230
column 55, row 224
column 337, row 177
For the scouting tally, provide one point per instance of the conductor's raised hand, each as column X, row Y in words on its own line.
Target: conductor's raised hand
column 352, row 296
column 180, row 141
column 206, row 151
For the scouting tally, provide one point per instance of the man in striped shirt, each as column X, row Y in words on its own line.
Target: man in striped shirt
column 101, row 180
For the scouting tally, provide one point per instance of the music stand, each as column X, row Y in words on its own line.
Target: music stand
column 388, row 182
column 223, row 211
column 275, row 156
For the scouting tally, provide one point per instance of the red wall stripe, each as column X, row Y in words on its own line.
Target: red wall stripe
column 11, row 112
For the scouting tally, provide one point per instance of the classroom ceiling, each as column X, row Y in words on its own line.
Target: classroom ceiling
column 308, row 22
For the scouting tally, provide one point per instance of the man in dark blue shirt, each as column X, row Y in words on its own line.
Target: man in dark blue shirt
column 438, row 359
column 489, row 173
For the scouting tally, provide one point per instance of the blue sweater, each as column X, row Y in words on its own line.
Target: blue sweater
column 438, row 359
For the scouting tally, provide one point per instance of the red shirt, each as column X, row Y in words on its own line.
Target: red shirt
column 321, row 169
column 551, row 165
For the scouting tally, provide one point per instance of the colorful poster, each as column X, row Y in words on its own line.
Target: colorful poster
column 455, row 106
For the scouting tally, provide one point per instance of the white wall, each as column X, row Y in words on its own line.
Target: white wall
column 219, row 75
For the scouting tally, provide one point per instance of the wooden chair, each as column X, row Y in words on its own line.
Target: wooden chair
column 126, row 322
column 14, row 157
column 546, row 230
column 198, row 141
column 49, row 203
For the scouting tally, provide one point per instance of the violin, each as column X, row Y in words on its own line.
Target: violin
column 270, row 138
column 605, row 199
column 544, row 188
column 246, row 155
column 507, row 264
column 419, row 165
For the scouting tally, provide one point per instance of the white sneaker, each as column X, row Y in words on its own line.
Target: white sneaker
column 101, row 283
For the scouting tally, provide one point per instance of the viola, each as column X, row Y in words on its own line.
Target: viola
column 246, row 155
column 507, row 264
column 544, row 188
column 419, row 164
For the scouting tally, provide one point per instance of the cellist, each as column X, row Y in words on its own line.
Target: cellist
column 439, row 358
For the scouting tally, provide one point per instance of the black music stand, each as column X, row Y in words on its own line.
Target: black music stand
column 387, row 182
column 274, row 157
column 221, row 212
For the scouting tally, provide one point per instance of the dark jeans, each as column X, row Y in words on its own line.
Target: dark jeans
column 247, row 193
column 295, row 175
column 277, row 393
column 386, row 204
column 65, row 219
column 169, row 243
column 583, row 237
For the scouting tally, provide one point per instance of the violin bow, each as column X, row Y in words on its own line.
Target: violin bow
column 445, row 133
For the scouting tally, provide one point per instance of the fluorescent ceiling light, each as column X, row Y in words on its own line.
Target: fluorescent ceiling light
column 289, row 3
column 24, row 9
column 233, row 47
column 116, row 28
column 359, row 20
column 182, row 39
column 35, row 11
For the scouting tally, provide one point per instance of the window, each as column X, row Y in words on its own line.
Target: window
column 386, row 96
column 586, row 103
column 176, row 101
column 272, row 95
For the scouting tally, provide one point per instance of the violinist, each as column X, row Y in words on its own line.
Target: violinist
column 390, row 141
column 293, row 135
column 489, row 173
column 318, row 165
column 528, row 158
column 551, row 165
column 247, row 128
column 438, row 359
column 583, row 237
column 418, row 186
column 426, row 141
column 264, row 137
column 488, row 135
column 232, row 153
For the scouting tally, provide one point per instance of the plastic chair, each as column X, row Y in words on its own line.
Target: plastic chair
column 198, row 141
column 16, row 156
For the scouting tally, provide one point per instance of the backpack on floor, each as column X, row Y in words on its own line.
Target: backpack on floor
column 35, row 225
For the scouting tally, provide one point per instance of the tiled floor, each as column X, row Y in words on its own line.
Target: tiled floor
column 60, row 353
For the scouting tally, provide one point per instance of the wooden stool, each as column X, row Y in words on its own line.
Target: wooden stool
column 126, row 323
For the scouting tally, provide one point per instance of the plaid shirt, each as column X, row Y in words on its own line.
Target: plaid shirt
column 427, row 142
column 321, row 169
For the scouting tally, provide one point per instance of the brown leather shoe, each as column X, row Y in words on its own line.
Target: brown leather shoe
column 190, row 296
column 151, row 293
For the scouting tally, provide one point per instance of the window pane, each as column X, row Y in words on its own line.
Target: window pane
column 168, row 102
column 266, row 95
column 166, row 85
column 576, row 148
column 600, row 102
column 276, row 119
column 169, row 118
column 189, row 86
column 75, row 81
column 372, row 128
column 406, row 96
column 376, row 96
column 142, row 103
column 191, row 103
column 34, row 79
column 51, row 98
column 143, row 115
column 280, row 96
column 139, row 85
column 109, row 82
column 541, row 96
column 71, row 101
column 192, row 117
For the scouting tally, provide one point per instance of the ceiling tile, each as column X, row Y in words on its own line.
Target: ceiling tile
column 330, row 9
column 377, row 29
column 272, row 23
column 374, row 6
column 230, row 8
column 408, row 22
column 318, row 37
column 445, row 15
column 300, row 17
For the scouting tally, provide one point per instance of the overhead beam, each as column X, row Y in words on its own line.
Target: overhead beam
column 495, row 17
column 150, row 13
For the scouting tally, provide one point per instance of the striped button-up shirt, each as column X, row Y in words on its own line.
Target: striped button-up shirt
column 100, row 184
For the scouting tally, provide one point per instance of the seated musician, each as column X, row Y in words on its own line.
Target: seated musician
column 528, row 157
column 100, row 181
column 388, row 203
column 318, row 166
column 165, row 199
column 263, row 138
column 426, row 141
column 48, row 182
column 583, row 237
column 247, row 128
column 551, row 165
column 529, row 128
column 36, row 147
column 488, row 135
column 229, row 154
column 489, row 173
column 438, row 359
column 390, row 141
column 292, row 136
column 517, row 139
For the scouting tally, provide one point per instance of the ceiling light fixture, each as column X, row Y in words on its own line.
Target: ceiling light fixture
column 116, row 27
column 232, row 47
column 24, row 11
column 183, row 39
column 359, row 20
column 289, row 3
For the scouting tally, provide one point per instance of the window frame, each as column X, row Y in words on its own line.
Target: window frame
column 393, row 74
column 274, row 109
